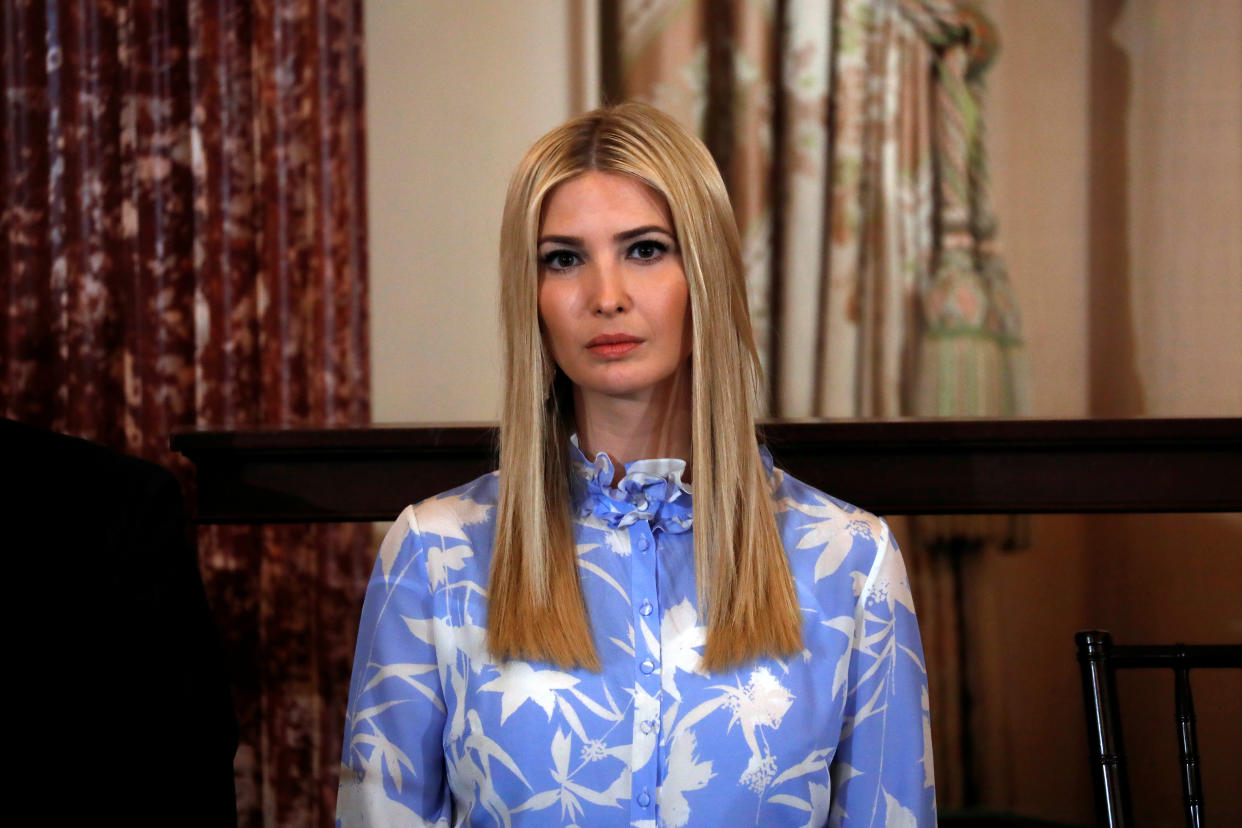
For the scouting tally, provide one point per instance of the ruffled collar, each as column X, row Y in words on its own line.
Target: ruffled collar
column 650, row 490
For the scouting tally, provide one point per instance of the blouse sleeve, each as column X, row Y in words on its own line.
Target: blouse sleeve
column 882, row 772
column 392, row 765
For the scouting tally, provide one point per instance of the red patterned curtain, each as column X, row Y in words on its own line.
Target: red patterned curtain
column 182, row 243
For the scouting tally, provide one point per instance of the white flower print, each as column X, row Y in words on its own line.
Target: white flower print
column 448, row 515
column 588, row 565
column 897, row 815
column 820, row 800
column 618, row 543
column 685, row 773
column 440, row 560
column 834, row 531
column 889, row 583
column 845, row 625
column 681, row 636
column 929, row 768
column 763, row 702
column 393, row 540
column 759, row 772
column 569, row 793
column 593, row 750
column 518, row 682
column 486, row 748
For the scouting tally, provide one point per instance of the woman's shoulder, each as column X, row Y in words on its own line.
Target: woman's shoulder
column 442, row 531
column 801, row 503
column 836, row 548
column 449, row 513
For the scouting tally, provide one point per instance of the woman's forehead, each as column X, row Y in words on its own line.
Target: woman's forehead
column 597, row 197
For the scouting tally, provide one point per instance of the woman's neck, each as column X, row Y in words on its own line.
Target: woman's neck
column 629, row 429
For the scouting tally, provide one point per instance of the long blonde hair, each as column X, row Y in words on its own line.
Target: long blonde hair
column 536, row 609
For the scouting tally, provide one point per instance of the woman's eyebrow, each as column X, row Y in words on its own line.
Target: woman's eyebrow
column 642, row 231
column 569, row 240
column 625, row 235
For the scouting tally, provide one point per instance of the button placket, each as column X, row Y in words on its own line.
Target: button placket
column 644, row 601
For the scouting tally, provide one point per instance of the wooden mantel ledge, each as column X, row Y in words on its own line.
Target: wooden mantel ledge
column 890, row 467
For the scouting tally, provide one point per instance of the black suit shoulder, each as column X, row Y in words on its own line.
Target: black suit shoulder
column 128, row 657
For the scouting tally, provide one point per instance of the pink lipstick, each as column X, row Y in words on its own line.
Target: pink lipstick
column 613, row 346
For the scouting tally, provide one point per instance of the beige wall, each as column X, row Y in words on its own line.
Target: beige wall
column 456, row 91
column 1185, row 203
column 1038, row 144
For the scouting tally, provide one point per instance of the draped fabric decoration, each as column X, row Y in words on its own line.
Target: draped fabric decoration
column 183, row 245
column 850, row 136
column 971, row 357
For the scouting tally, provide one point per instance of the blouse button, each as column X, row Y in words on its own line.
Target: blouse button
column 646, row 727
column 644, row 799
column 648, row 666
column 643, row 544
column 645, row 608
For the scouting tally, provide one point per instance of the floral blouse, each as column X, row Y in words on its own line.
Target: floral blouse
column 439, row 733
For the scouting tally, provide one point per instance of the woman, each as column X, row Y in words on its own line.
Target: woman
column 592, row 636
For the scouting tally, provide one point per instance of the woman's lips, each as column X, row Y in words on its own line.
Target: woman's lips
column 612, row 346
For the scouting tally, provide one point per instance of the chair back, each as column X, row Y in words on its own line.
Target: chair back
column 1099, row 659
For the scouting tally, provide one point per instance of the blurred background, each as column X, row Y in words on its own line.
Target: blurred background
column 221, row 215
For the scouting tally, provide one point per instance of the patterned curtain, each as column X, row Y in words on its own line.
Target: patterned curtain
column 850, row 136
column 182, row 244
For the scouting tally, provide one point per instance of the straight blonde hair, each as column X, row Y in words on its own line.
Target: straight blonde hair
column 536, row 609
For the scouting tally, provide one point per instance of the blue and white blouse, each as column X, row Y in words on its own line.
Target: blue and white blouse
column 439, row 733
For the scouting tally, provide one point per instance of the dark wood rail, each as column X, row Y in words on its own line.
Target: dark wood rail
column 889, row 467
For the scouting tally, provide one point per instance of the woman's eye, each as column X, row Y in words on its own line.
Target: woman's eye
column 647, row 250
column 560, row 259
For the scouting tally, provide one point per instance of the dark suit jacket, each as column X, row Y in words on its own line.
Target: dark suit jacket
column 125, row 713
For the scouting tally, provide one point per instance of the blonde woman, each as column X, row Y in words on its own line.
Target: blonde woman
column 637, row 620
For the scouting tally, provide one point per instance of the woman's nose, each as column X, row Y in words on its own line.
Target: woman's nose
column 610, row 296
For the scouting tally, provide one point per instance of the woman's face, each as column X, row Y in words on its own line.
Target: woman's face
column 612, row 293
